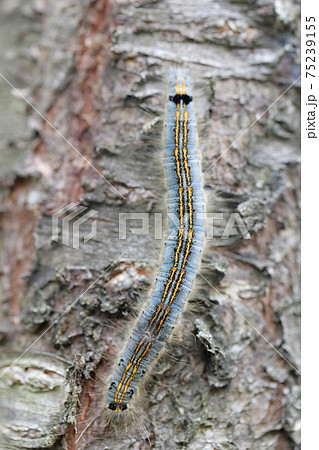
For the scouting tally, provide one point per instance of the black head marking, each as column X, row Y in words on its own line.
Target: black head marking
column 114, row 405
column 177, row 98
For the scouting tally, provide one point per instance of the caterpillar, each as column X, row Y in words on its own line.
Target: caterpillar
column 182, row 250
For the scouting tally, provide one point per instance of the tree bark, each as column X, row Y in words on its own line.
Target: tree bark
column 96, row 70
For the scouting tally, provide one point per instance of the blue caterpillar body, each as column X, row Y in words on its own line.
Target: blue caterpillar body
column 182, row 252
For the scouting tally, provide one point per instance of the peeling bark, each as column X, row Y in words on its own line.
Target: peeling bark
column 96, row 71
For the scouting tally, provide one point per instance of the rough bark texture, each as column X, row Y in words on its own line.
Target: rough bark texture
column 96, row 70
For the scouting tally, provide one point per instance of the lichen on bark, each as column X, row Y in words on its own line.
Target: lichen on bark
column 96, row 70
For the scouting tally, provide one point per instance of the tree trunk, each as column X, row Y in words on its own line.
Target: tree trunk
column 96, row 70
